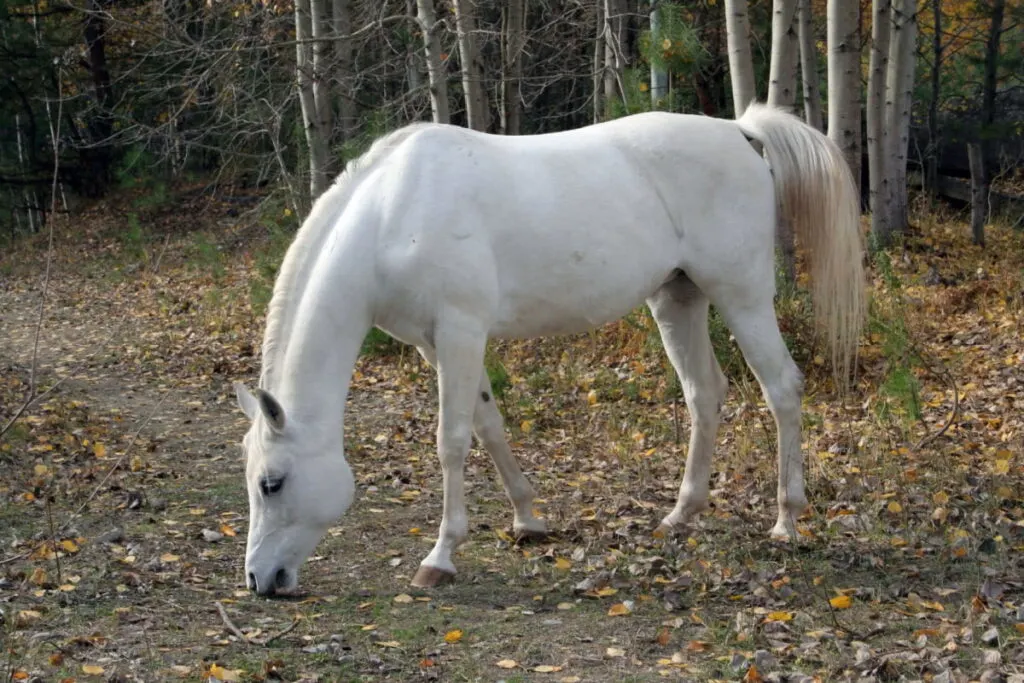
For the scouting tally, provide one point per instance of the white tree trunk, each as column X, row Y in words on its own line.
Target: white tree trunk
column 477, row 110
column 878, row 175
column 809, row 65
column 741, row 64
column 513, row 41
column 306, row 59
column 844, row 111
column 781, row 79
column 659, row 76
column 435, row 67
column 899, row 99
column 614, row 61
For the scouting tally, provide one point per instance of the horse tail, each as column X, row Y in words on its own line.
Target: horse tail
column 816, row 194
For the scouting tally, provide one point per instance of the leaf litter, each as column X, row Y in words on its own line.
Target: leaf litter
column 909, row 562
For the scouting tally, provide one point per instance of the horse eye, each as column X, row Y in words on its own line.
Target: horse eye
column 269, row 486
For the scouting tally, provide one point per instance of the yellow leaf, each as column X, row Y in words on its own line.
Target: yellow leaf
column 506, row 663
column 287, row 212
column 546, row 669
column 895, row 507
column 67, row 587
column 20, row 675
column 27, row 616
column 403, row 598
column 779, row 616
column 563, row 564
column 841, row 602
column 644, row 87
column 592, row 397
column 40, row 470
column 228, row 530
column 453, row 636
column 526, row 426
column 219, row 673
column 1002, row 466
column 1019, row 627
column 934, row 606
column 69, row 545
column 606, row 591
column 99, row 450
column 940, row 498
column 169, row 557
column 666, row 44
column 137, row 464
column 92, row 669
column 619, row 609
column 615, row 652
column 38, row 576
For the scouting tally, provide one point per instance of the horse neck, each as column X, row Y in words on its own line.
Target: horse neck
column 333, row 317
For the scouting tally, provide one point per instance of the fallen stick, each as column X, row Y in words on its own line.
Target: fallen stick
column 230, row 624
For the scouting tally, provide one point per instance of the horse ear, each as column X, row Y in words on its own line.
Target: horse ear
column 272, row 410
column 246, row 401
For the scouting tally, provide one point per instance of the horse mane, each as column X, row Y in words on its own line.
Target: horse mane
column 302, row 255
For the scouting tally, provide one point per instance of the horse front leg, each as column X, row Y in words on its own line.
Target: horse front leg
column 460, row 352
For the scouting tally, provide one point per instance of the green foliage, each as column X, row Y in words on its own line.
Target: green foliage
column 676, row 47
column 134, row 238
column 281, row 226
column 888, row 320
column 497, row 373
column 206, row 255
column 380, row 343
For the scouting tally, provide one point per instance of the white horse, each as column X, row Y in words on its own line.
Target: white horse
column 444, row 237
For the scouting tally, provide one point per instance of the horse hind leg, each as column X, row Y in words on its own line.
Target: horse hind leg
column 681, row 311
column 753, row 323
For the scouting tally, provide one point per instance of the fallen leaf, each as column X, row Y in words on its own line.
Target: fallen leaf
column 228, row 530
column 619, row 609
column 563, row 564
column 779, row 616
column 841, row 602
column 546, row 669
column 169, row 557
column 753, row 676
column 389, row 643
column 506, row 663
column 894, row 507
column 219, row 673
column 95, row 670
column 615, row 652
column 453, row 636
column 606, row 591
column 403, row 598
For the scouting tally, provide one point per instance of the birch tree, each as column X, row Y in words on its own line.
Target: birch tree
column 310, row 30
column 844, row 80
column 477, row 110
column 613, row 32
column 782, row 75
column 435, row 67
column 342, row 67
column 899, row 88
column 808, row 65
column 741, row 64
column 878, row 184
column 599, row 63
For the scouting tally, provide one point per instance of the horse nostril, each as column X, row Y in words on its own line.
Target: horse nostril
column 280, row 578
column 251, row 582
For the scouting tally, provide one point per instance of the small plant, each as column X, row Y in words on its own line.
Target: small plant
column 900, row 385
column 207, row 256
column 134, row 238
column 380, row 343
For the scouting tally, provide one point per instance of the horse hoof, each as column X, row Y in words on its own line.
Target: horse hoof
column 530, row 535
column 429, row 577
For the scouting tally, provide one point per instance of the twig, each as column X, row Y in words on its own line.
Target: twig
column 286, row 630
column 53, row 539
column 945, row 374
column 230, row 624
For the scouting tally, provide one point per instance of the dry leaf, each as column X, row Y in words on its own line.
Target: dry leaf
column 563, row 564
column 453, row 636
column 93, row 669
column 894, row 507
column 606, row 591
column 615, row 652
column 779, row 616
column 619, row 609
column 546, row 669
column 403, row 598
column 506, row 663
column 841, row 602
column 219, row 673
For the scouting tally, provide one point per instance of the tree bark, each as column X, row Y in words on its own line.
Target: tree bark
column 781, row 79
column 844, row 111
column 477, row 109
column 983, row 148
column 741, row 64
column 343, row 63
column 931, row 179
column 979, row 192
column 878, row 177
column 659, row 76
column 809, row 66
column 436, row 72
column 600, row 64
column 899, row 98
column 99, row 156
column 513, row 40
column 316, row 136
column 614, row 59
